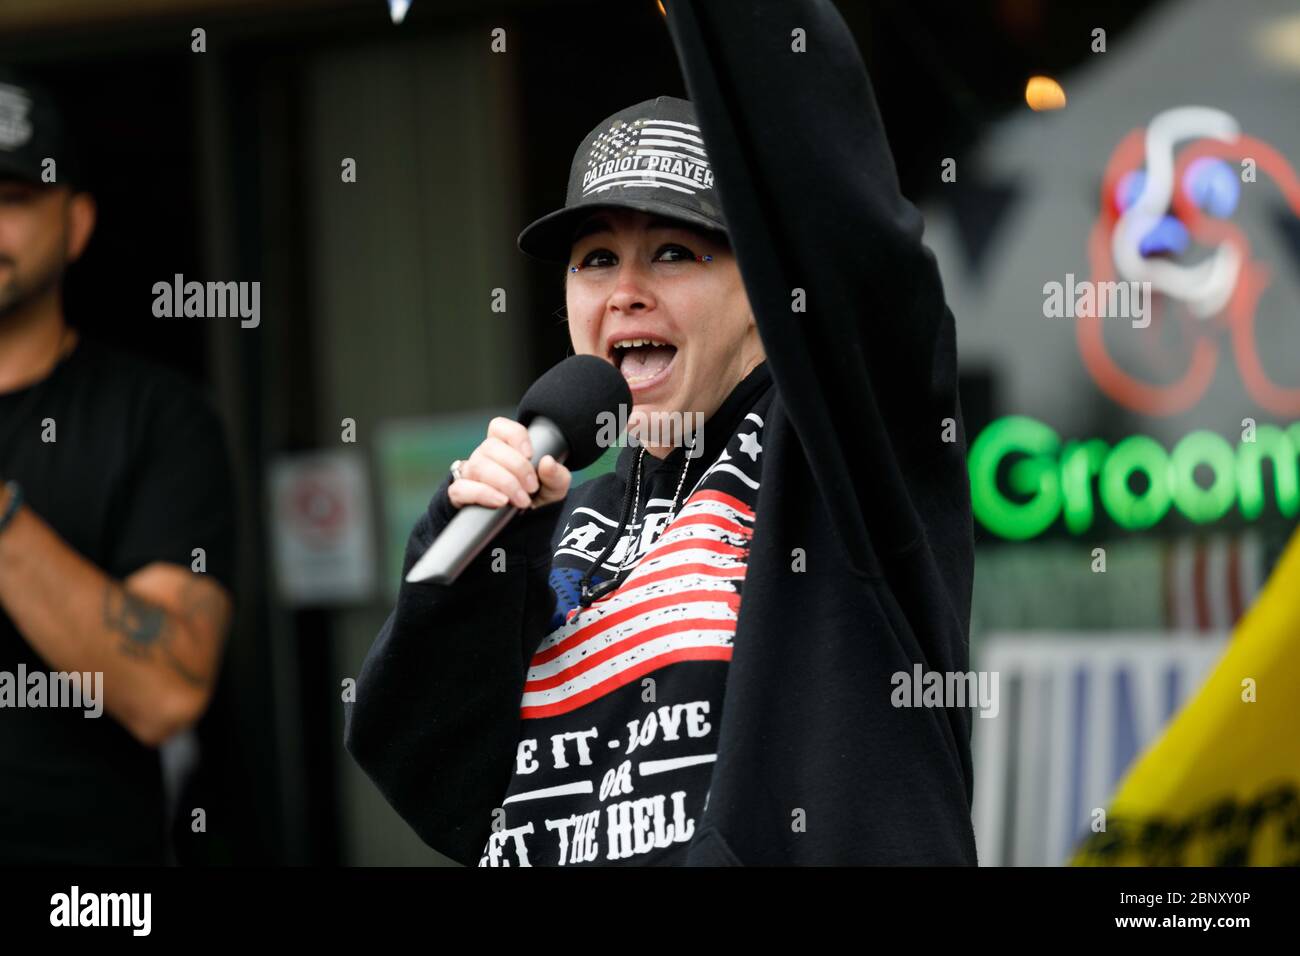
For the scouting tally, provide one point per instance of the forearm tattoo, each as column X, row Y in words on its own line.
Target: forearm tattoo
column 147, row 631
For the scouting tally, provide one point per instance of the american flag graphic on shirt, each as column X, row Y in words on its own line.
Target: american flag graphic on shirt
column 679, row 604
column 622, row 701
column 656, row 154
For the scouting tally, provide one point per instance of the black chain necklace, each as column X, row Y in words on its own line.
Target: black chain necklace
column 588, row 595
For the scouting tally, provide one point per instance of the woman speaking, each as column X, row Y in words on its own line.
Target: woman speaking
column 691, row 660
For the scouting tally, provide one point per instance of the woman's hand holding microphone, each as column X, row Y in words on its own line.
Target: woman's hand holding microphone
column 500, row 472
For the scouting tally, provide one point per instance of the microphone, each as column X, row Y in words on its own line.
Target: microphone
column 561, row 411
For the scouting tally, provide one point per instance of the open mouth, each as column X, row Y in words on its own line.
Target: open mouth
column 644, row 362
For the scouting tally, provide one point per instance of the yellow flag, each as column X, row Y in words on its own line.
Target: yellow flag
column 1221, row 786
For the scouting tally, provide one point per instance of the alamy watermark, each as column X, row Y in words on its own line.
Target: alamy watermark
column 80, row 690
column 1105, row 300
column 946, row 689
column 208, row 300
column 658, row 429
column 133, row 911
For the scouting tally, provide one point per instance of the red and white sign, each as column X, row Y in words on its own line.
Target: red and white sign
column 323, row 528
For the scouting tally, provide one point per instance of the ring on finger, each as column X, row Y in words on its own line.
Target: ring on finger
column 455, row 470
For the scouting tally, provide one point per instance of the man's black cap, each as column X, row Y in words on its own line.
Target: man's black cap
column 648, row 157
column 32, row 130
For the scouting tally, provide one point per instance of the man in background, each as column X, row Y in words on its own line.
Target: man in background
column 115, row 536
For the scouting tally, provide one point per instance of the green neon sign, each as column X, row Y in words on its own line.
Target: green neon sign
column 1023, row 478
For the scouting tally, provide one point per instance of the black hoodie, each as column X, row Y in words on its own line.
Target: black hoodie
column 857, row 554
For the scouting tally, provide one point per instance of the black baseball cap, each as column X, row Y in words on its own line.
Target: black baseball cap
column 32, row 130
column 648, row 157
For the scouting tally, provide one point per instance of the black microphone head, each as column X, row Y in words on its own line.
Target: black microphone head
column 573, row 394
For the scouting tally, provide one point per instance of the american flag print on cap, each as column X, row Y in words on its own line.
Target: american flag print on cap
column 648, row 153
column 650, row 157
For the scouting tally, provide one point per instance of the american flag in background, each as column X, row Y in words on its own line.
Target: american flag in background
column 1210, row 581
column 680, row 603
column 643, row 138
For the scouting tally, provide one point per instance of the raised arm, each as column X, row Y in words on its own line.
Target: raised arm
column 848, row 301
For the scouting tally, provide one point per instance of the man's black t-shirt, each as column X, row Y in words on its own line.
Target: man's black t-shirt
column 136, row 472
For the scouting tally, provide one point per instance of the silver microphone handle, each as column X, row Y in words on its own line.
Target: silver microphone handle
column 474, row 526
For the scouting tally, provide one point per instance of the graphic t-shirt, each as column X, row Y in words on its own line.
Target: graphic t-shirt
column 136, row 473
column 861, row 559
column 622, row 702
